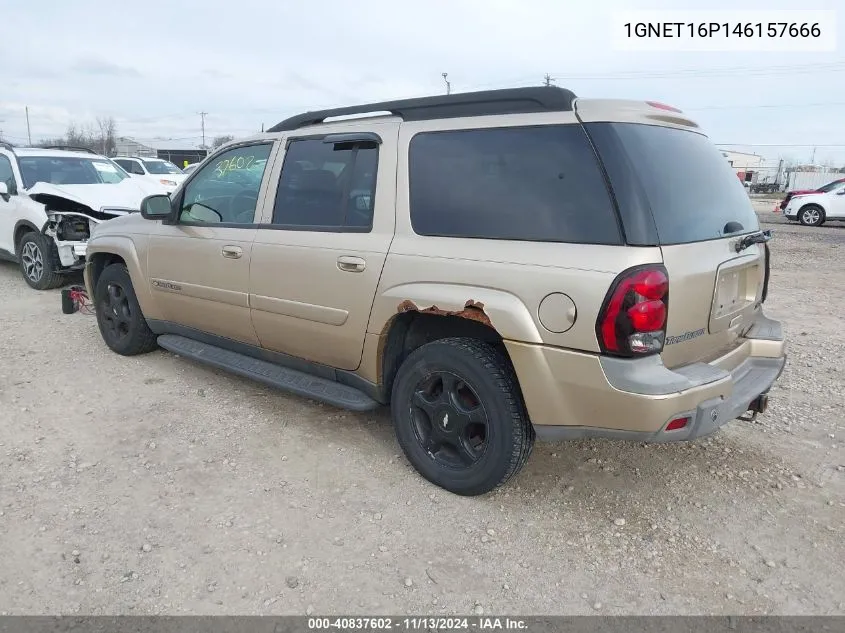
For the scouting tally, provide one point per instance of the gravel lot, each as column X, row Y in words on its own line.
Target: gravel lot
column 153, row 485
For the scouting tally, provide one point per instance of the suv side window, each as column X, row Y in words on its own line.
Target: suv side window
column 7, row 175
column 327, row 186
column 126, row 164
column 226, row 188
column 539, row 183
column 135, row 167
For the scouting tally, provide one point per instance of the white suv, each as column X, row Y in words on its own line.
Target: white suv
column 51, row 199
column 154, row 170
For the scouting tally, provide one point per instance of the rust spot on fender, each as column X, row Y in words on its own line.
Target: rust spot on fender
column 473, row 310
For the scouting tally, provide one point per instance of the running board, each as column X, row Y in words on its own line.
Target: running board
column 284, row 378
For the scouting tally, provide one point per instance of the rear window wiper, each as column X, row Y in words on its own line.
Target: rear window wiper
column 760, row 237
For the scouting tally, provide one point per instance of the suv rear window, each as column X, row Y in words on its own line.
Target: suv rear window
column 539, row 183
column 671, row 181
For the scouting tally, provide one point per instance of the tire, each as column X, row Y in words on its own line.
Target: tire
column 122, row 324
column 446, row 450
column 811, row 215
column 38, row 259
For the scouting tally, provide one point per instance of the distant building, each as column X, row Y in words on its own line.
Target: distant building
column 746, row 166
column 177, row 152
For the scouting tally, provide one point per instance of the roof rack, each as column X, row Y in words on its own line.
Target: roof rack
column 486, row 102
column 7, row 146
column 70, row 148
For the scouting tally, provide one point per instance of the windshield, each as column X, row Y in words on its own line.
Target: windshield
column 832, row 186
column 69, row 170
column 161, row 167
column 689, row 188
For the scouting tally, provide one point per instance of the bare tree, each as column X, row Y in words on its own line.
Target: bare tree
column 100, row 137
column 108, row 135
column 221, row 140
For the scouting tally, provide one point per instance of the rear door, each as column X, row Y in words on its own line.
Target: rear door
column 676, row 190
column 317, row 260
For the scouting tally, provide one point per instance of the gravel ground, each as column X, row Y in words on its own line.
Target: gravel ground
column 152, row 485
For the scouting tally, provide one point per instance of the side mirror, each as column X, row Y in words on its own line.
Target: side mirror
column 4, row 190
column 841, row 192
column 156, row 207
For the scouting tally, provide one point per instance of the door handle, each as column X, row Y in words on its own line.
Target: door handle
column 351, row 264
column 232, row 252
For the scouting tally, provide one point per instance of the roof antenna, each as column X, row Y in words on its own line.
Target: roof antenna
column 448, row 83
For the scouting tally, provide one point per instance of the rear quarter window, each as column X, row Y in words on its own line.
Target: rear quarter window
column 528, row 183
column 672, row 186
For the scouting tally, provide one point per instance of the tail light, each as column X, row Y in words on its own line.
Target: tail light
column 632, row 321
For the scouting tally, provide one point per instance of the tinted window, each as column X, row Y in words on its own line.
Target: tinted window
column 7, row 175
column 126, row 164
column 327, row 185
column 674, row 180
column 832, row 186
column 538, row 183
column 226, row 188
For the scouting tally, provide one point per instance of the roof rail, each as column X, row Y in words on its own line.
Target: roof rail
column 486, row 102
column 7, row 146
column 70, row 148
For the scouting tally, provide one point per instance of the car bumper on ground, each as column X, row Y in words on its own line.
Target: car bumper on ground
column 572, row 395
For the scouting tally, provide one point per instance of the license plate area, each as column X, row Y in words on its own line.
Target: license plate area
column 737, row 287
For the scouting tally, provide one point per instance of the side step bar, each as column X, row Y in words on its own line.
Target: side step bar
column 270, row 374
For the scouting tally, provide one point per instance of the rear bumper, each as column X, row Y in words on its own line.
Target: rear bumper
column 570, row 395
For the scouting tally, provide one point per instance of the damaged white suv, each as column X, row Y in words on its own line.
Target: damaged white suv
column 51, row 199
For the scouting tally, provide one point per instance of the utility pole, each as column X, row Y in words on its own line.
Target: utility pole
column 813, row 157
column 28, row 132
column 202, row 117
column 548, row 79
column 448, row 83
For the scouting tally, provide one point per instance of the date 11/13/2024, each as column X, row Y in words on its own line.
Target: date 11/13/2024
column 491, row 623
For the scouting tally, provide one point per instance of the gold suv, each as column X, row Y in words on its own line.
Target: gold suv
column 494, row 266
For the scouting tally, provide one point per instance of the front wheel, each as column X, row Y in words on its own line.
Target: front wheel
column 811, row 215
column 459, row 416
column 38, row 260
column 122, row 324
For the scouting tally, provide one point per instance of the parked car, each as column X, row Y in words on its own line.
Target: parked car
column 50, row 199
column 814, row 209
column 801, row 192
column 154, row 170
column 486, row 264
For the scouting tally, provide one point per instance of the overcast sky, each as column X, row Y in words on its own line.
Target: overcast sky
column 154, row 65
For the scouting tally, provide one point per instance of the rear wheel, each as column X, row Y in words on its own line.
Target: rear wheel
column 122, row 324
column 38, row 260
column 811, row 215
column 459, row 416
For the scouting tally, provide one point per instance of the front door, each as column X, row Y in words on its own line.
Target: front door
column 199, row 267
column 836, row 206
column 315, row 269
column 9, row 214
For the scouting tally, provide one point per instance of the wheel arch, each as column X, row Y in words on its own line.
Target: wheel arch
column 411, row 315
column 118, row 250
column 21, row 228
